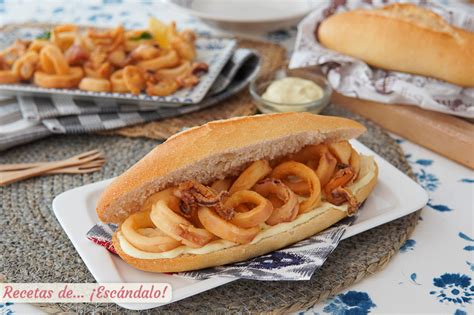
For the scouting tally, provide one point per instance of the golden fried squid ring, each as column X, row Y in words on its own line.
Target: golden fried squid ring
column 108, row 39
column 145, row 52
column 7, row 76
column 52, row 60
column 292, row 168
column 251, row 175
column 340, row 179
column 140, row 231
column 168, row 195
column 64, row 35
column 309, row 153
column 38, row 44
column 337, row 194
column 287, row 208
column 341, row 150
column 64, row 81
column 101, row 72
column 318, row 158
column 222, row 184
column 118, row 58
column 95, row 85
column 133, row 79
column 260, row 213
column 118, row 84
column 354, row 162
column 224, row 229
column 171, row 59
column 25, row 66
column 162, row 88
column 182, row 70
column 177, row 227
column 184, row 48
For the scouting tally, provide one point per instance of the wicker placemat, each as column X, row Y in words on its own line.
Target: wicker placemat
column 34, row 248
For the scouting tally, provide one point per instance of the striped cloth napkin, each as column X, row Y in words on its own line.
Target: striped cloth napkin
column 297, row 262
column 27, row 118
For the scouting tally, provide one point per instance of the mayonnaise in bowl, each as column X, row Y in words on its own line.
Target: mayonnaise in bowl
column 293, row 90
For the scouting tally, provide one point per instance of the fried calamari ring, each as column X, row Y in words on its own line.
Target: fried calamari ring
column 222, row 184
column 292, row 168
column 64, row 81
column 118, row 84
column 162, row 88
column 63, row 36
column 118, row 58
column 37, row 44
column 184, row 48
column 319, row 159
column 284, row 211
column 309, row 153
column 145, row 52
column 224, row 229
column 95, row 85
column 133, row 79
column 340, row 179
column 326, row 168
column 52, row 61
column 171, row 59
column 140, row 231
column 103, row 71
column 177, row 227
column 25, row 66
column 168, row 195
column 354, row 162
column 341, row 150
column 181, row 71
column 251, row 175
column 7, row 77
column 260, row 213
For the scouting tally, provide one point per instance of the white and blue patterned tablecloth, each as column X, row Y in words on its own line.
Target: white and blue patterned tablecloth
column 434, row 271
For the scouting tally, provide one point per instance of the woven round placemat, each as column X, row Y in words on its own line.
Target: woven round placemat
column 34, row 248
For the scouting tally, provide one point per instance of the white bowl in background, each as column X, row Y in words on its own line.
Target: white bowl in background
column 247, row 15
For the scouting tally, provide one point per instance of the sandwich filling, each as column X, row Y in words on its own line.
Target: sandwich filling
column 266, row 199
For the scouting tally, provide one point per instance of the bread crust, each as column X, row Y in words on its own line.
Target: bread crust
column 214, row 149
column 247, row 251
column 403, row 37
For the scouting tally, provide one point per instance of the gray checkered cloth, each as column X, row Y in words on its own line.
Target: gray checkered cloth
column 27, row 119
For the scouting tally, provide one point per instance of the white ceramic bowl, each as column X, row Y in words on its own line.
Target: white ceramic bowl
column 247, row 15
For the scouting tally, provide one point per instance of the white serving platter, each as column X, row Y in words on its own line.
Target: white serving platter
column 214, row 51
column 394, row 196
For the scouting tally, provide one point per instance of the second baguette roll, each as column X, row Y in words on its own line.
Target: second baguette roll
column 403, row 37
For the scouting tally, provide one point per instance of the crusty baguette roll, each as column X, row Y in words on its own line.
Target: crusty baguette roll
column 403, row 37
column 216, row 150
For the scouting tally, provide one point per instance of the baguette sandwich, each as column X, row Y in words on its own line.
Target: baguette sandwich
column 403, row 37
column 235, row 189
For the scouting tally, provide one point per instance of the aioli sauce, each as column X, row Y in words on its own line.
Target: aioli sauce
column 293, row 90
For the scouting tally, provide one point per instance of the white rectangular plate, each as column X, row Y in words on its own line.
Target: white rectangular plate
column 394, row 196
column 213, row 51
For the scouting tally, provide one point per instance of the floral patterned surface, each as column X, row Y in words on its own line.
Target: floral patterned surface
column 434, row 271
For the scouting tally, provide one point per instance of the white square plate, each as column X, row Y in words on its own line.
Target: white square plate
column 394, row 196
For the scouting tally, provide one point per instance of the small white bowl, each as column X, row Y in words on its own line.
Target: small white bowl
column 247, row 15
column 259, row 85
